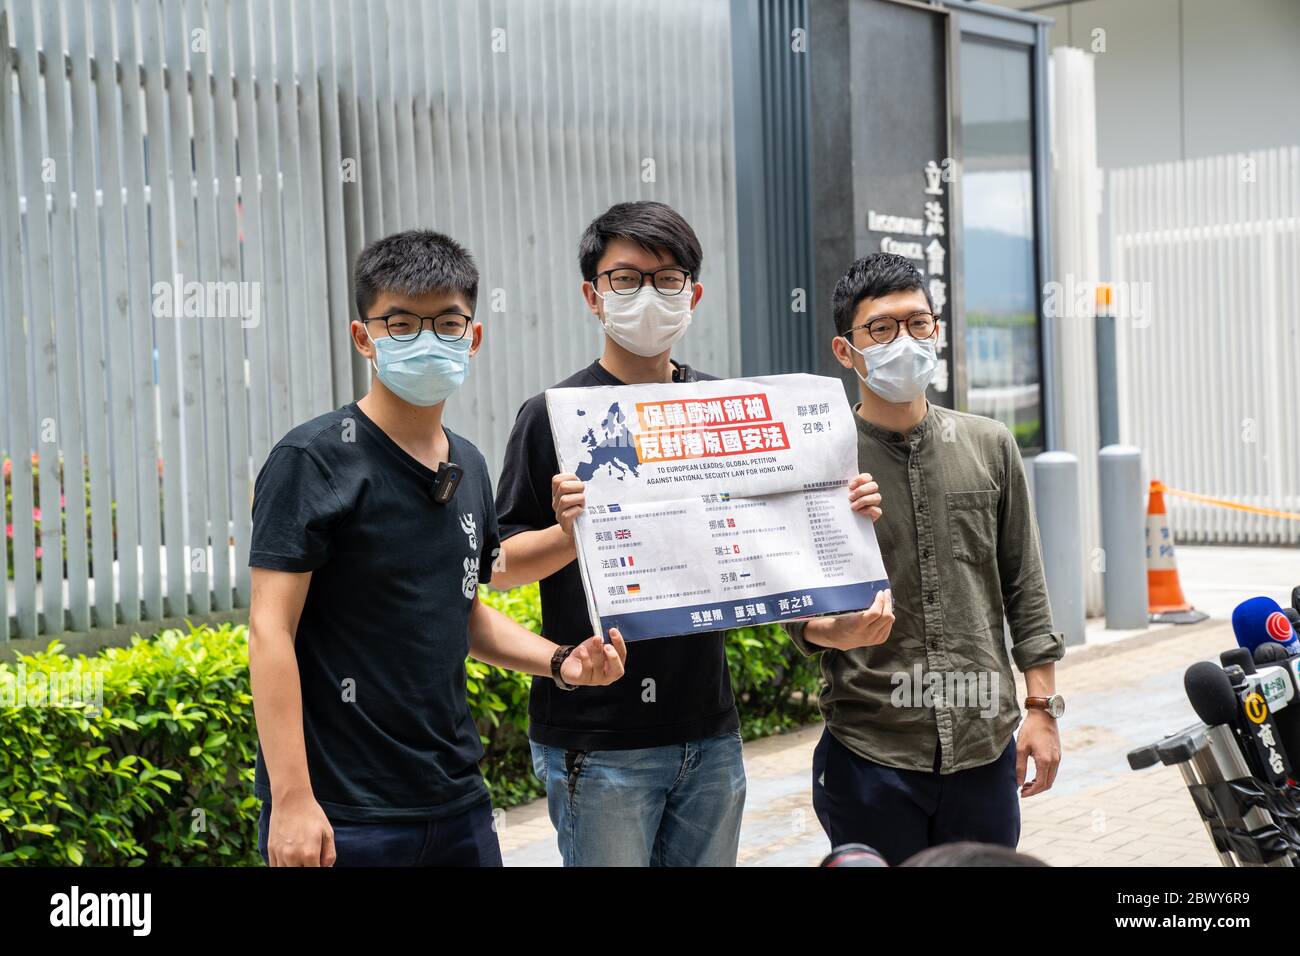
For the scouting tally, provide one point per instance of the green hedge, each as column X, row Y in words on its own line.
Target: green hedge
column 163, row 773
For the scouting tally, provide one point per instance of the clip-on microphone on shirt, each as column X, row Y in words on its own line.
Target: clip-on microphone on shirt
column 446, row 482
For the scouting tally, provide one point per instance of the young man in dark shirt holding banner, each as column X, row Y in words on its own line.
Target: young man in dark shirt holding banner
column 367, row 550
column 919, row 747
column 648, row 771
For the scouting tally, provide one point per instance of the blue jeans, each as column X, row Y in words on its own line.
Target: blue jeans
column 678, row 805
column 467, row 838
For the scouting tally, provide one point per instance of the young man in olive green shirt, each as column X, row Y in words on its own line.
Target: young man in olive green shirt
column 919, row 747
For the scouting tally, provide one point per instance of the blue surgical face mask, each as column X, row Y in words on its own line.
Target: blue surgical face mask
column 900, row 371
column 423, row 371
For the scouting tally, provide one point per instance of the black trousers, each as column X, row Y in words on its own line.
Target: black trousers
column 899, row 813
column 466, row 839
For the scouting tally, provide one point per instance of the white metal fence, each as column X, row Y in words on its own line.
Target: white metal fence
column 1208, row 252
column 160, row 338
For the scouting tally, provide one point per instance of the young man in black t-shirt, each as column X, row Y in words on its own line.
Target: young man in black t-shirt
column 647, row 772
column 364, row 595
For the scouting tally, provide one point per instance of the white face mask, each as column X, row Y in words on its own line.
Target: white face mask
column 647, row 323
column 900, row 371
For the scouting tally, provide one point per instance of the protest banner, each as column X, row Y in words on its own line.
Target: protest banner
column 716, row 504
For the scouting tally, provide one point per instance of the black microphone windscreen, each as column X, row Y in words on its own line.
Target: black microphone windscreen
column 1270, row 654
column 1295, row 597
column 1210, row 693
column 1239, row 656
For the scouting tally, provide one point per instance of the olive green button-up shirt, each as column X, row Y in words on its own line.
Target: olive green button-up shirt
column 961, row 549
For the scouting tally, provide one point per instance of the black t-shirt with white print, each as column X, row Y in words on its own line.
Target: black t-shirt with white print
column 383, row 636
column 674, row 690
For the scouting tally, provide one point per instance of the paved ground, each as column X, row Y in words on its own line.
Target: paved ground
column 1124, row 690
column 1217, row 579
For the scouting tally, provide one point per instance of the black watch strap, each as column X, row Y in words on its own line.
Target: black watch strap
column 557, row 659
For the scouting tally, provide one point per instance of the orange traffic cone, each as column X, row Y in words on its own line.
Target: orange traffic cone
column 1165, row 601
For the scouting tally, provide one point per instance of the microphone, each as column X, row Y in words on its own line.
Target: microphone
column 1239, row 657
column 1279, row 682
column 1210, row 693
column 1295, row 598
column 1293, row 616
column 445, row 482
column 1238, row 700
column 1240, row 803
column 1267, row 654
column 1275, row 655
column 1259, row 620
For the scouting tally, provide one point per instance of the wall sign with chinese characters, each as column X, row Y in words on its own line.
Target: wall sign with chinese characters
column 924, row 240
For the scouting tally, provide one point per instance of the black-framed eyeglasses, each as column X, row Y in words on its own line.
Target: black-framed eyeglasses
column 405, row 326
column 883, row 329
column 669, row 280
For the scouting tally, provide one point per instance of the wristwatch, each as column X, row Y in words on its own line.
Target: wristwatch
column 557, row 659
column 1054, row 705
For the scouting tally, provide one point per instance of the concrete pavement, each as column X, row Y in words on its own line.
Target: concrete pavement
column 1124, row 690
column 1121, row 695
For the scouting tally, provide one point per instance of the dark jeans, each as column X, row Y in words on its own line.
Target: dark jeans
column 464, row 839
column 902, row 812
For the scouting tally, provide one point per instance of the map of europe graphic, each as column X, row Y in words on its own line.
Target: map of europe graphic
column 613, row 452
